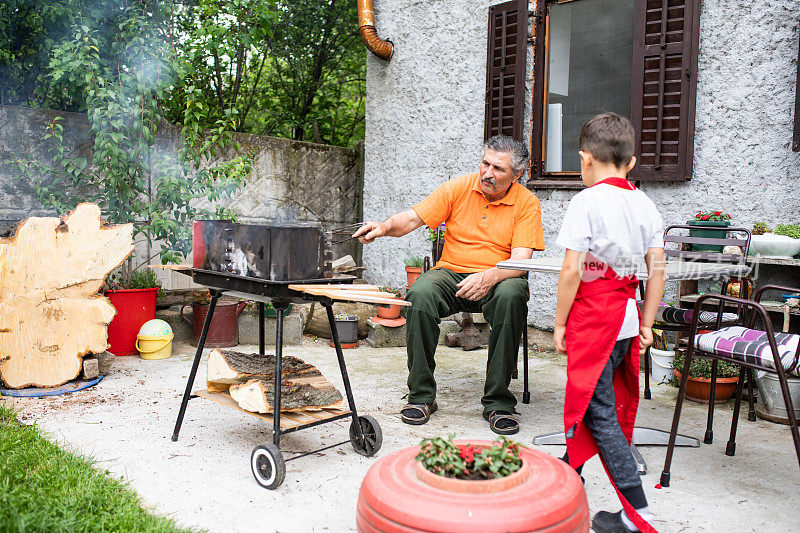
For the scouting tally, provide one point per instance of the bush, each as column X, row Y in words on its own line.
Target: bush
column 396, row 292
column 414, row 261
column 790, row 230
column 701, row 367
column 446, row 459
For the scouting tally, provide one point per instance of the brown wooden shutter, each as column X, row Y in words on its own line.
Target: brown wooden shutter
column 505, row 69
column 663, row 87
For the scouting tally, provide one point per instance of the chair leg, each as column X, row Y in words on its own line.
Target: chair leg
column 647, row 364
column 526, row 393
column 751, row 413
column 709, row 437
column 730, row 449
column 787, row 400
column 673, row 432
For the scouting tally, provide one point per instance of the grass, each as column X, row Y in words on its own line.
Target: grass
column 44, row 488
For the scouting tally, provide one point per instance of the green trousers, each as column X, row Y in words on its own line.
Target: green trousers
column 505, row 308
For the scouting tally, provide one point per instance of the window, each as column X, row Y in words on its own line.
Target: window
column 505, row 69
column 636, row 58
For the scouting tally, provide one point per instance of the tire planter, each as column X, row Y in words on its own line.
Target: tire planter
column 397, row 495
column 699, row 389
column 223, row 332
column 134, row 308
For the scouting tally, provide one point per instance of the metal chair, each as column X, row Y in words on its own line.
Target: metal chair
column 672, row 318
column 747, row 347
column 526, row 394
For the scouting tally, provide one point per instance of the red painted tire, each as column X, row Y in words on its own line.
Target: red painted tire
column 393, row 499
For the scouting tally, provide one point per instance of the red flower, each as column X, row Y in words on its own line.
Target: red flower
column 717, row 212
column 467, row 453
column 704, row 217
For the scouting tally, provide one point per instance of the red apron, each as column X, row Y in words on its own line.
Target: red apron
column 594, row 322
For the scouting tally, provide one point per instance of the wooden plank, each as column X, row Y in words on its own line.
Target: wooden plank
column 343, row 295
column 176, row 268
column 345, row 287
column 288, row 420
column 371, row 294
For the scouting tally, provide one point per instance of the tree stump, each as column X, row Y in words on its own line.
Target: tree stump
column 469, row 338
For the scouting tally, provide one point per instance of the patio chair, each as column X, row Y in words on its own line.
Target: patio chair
column 677, row 247
column 775, row 353
column 526, row 394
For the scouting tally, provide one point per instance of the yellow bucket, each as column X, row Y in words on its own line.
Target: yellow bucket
column 154, row 346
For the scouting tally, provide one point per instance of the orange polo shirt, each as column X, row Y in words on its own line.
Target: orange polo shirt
column 481, row 233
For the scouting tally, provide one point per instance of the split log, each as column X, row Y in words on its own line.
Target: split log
column 50, row 311
column 229, row 367
column 257, row 395
column 469, row 338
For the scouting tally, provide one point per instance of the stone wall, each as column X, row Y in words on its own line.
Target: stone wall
column 425, row 122
column 291, row 181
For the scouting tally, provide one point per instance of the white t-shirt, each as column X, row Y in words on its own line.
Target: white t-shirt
column 617, row 226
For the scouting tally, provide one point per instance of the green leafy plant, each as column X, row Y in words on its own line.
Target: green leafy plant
column 789, row 230
column 414, row 261
column 712, row 216
column 701, row 367
column 760, row 228
column 444, row 458
column 397, row 292
column 433, row 233
column 145, row 278
column 124, row 173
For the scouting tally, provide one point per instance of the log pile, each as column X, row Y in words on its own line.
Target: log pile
column 51, row 312
column 250, row 381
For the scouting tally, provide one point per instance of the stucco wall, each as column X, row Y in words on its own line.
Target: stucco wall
column 291, row 181
column 425, row 121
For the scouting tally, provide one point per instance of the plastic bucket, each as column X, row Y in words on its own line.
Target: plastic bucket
column 134, row 308
column 661, row 369
column 154, row 346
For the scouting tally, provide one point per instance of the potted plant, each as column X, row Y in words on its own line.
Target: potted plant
column 135, row 302
column 433, row 236
column 782, row 242
column 413, row 268
column 392, row 311
column 447, row 485
column 708, row 218
column 126, row 172
column 223, row 332
column 698, row 388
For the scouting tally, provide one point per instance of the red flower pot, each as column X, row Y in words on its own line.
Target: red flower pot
column 134, row 308
column 393, row 311
column 223, row 332
column 699, row 389
column 545, row 495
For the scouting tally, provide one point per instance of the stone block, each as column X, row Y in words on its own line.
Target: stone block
column 104, row 361
column 292, row 329
column 380, row 336
column 180, row 327
column 91, row 367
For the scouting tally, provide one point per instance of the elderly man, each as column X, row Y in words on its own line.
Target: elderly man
column 490, row 217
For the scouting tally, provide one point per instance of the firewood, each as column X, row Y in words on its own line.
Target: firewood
column 257, row 395
column 469, row 338
column 230, row 367
column 51, row 313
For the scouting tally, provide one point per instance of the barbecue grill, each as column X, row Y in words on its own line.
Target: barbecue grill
column 258, row 263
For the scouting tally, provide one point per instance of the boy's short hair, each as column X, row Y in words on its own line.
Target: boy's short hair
column 609, row 138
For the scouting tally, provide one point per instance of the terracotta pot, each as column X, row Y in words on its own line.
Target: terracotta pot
column 223, row 332
column 699, row 389
column 393, row 311
column 412, row 273
column 545, row 495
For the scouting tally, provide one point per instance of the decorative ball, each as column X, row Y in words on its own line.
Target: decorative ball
column 155, row 327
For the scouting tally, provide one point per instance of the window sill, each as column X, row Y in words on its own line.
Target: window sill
column 544, row 183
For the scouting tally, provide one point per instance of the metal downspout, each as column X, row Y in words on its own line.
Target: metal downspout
column 366, row 27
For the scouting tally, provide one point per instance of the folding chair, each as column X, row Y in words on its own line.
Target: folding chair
column 776, row 353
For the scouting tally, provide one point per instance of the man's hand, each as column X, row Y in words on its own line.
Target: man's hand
column 475, row 286
column 369, row 232
column 645, row 339
column 559, row 332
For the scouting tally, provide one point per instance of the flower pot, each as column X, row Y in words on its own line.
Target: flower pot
column 346, row 328
column 392, row 311
column 412, row 273
column 771, row 245
column 545, row 495
column 708, row 234
column 134, row 308
column 223, row 332
column 699, row 389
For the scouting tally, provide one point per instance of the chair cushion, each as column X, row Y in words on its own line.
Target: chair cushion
column 750, row 346
column 668, row 314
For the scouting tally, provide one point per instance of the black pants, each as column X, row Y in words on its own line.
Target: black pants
column 601, row 419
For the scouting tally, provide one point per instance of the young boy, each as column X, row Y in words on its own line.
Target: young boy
column 609, row 229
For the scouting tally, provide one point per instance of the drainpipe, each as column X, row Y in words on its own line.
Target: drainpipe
column 366, row 27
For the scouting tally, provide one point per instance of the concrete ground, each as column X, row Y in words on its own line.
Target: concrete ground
column 204, row 481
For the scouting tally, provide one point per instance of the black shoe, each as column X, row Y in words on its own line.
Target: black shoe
column 502, row 422
column 605, row 522
column 417, row 414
